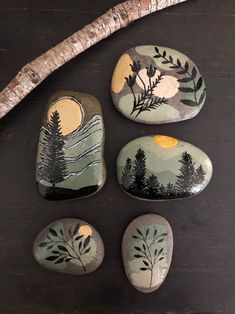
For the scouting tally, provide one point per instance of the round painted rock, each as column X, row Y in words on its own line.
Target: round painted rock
column 147, row 248
column 160, row 167
column 156, row 85
column 70, row 246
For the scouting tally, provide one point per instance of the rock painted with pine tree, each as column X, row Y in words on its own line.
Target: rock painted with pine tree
column 147, row 247
column 161, row 167
column 70, row 160
column 70, row 246
column 155, row 85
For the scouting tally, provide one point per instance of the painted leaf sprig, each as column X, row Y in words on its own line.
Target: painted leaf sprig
column 146, row 101
column 64, row 251
column 149, row 249
column 190, row 76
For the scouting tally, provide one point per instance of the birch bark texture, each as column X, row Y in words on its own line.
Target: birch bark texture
column 33, row 73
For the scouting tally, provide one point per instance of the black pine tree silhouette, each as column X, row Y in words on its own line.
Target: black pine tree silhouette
column 127, row 177
column 135, row 179
column 162, row 190
column 185, row 181
column 199, row 176
column 170, row 191
column 139, row 171
column 53, row 167
column 152, row 185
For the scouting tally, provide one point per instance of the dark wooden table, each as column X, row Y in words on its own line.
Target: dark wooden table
column 202, row 275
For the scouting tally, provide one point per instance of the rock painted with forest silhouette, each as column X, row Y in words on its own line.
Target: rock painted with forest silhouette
column 70, row 161
column 155, row 85
column 160, row 167
column 147, row 247
column 70, row 246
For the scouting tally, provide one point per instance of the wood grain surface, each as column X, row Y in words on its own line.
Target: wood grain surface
column 202, row 276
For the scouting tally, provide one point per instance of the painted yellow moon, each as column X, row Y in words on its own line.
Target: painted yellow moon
column 165, row 141
column 85, row 230
column 121, row 71
column 168, row 87
column 71, row 114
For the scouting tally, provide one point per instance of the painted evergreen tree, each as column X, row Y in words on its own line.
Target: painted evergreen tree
column 185, row 182
column 199, row 176
column 53, row 167
column 127, row 177
column 162, row 190
column 170, row 190
column 152, row 185
column 139, row 171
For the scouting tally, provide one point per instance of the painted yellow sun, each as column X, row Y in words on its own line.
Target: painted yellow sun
column 165, row 141
column 71, row 114
column 85, row 230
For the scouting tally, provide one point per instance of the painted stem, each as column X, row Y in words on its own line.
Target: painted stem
column 32, row 74
column 142, row 105
column 83, row 266
column 72, row 248
column 151, row 279
column 77, row 258
column 149, row 258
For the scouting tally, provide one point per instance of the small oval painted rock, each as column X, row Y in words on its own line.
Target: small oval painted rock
column 160, row 167
column 70, row 159
column 70, row 246
column 156, row 85
column 147, row 248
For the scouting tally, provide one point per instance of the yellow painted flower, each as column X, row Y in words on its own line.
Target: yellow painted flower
column 85, row 230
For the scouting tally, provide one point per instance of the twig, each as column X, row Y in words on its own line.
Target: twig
column 32, row 74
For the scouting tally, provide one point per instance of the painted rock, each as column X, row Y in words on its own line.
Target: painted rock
column 161, row 167
column 70, row 153
column 147, row 248
column 70, row 246
column 156, row 85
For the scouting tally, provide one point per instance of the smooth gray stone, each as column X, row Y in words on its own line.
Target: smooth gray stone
column 160, row 167
column 147, row 247
column 70, row 246
column 155, row 85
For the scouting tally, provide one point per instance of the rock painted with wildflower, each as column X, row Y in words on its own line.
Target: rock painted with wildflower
column 70, row 246
column 147, row 247
column 156, row 85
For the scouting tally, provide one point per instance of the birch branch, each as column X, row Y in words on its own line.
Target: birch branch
column 32, row 74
